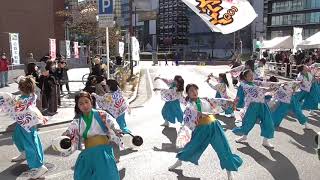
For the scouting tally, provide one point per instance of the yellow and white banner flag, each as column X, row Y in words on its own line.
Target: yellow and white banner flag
column 225, row 16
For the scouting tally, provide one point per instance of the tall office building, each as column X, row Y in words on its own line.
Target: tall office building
column 281, row 16
column 172, row 23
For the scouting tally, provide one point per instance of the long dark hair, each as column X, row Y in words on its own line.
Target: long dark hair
column 187, row 89
column 77, row 98
column 31, row 68
column 180, row 83
column 241, row 76
column 49, row 65
column 250, row 63
column 223, row 76
column 245, row 73
column 113, row 85
column 263, row 61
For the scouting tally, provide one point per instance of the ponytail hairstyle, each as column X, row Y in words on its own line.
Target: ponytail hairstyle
column 187, row 89
column 241, row 76
column 113, row 85
column 245, row 73
column 77, row 98
column 31, row 68
column 250, row 64
column 27, row 85
column 263, row 61
column 180, row 83
column 223, row 76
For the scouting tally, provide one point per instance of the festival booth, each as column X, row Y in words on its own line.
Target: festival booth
column 313, row 42
column 274, row 45
column 278, row 43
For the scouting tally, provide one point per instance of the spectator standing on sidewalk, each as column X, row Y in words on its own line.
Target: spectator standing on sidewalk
column 177, row 59
column 32, row 70
column 29, row 60
column 50, row 89
column 4, row 70
column 166, row 59
column 62, row 75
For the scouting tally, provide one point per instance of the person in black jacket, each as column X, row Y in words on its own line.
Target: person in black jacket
column 32, row 70
column 50, row 89
column 62, row 75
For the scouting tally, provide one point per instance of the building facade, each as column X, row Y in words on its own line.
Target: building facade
column 282, row 15
column 35, row 21
column 172, row 24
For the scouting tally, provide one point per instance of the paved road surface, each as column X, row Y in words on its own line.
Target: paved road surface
column 293, row 157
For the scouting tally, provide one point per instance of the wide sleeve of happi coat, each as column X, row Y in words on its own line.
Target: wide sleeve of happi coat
column 23, row 111
column 272, row 85
column 168, row 82
column 73, row 132
column 111, row 125
column 7, row 102
column 217, row 105
column 217, row 87
column 172, row 95
column 114, row 103
column 235, row 72
column 315, row 69
column 293, row 84
column 190, row 118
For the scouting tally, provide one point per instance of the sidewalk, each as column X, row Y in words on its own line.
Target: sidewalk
column 65, row 113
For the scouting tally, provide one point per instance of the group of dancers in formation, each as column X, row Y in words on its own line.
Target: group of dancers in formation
column 258, row 98
column 95, row 131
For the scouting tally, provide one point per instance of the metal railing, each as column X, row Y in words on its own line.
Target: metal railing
column 282, row 69
column 277, row 68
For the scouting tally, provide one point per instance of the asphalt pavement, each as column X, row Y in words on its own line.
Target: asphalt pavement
column 292, row 158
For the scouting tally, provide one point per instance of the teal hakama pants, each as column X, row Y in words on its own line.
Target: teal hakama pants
column 29, row 142
column 212, row 134
column 311, row 99
column 254, row 112
column 122, row 123
column 283, row 108
column 172, row 111
column 240, row 96
column 96, row 163
column 229, row 110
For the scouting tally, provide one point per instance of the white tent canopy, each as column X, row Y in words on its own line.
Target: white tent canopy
column 282, row 43
column 311, row 43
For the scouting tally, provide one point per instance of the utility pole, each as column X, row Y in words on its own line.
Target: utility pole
column 130, row 34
